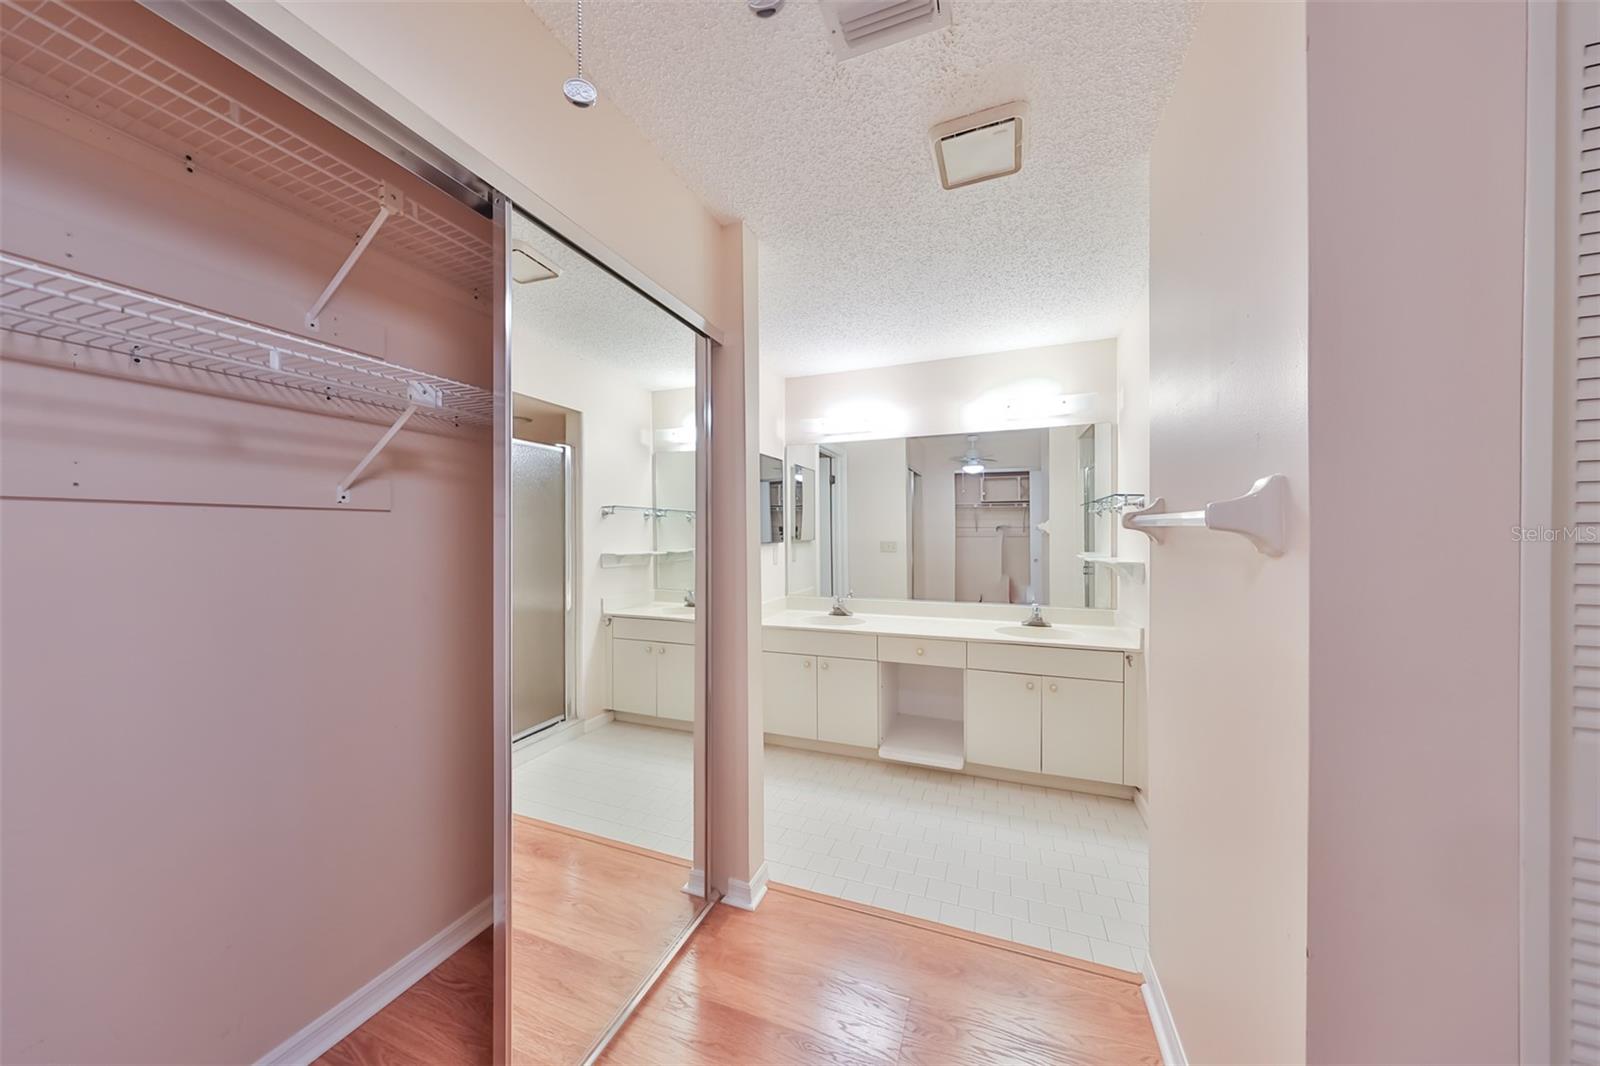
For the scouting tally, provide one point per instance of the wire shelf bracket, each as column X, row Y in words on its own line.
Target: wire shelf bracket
column 389, row 203
column 1260, row 515
column 342, row 493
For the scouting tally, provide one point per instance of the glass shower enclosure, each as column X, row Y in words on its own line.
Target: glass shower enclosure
column 541, row 585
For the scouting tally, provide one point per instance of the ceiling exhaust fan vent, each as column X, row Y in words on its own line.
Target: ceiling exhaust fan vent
column 979, row 147
column 859, row 26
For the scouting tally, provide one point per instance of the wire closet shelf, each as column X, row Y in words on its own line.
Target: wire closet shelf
column 66, row 53
column 39, row 300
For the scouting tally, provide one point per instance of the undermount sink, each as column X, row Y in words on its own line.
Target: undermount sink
column 1055, row 633
column 833, row 620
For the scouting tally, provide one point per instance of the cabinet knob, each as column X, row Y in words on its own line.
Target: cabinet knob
column 661, row 651
column 1030, row 686
column 1052, row 686
column 823, row 664
column 808, row 663
column 919, row 651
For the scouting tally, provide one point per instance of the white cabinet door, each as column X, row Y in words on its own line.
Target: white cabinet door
column 633, row 676
column 675, row 681
column 847, row 702
column 789, row 694
column 1003, row 720
column 1082, row 729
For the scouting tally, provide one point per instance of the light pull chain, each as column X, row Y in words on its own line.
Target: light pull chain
column 579, row 90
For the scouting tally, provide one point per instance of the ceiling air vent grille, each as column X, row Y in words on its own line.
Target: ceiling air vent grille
column 858, row 26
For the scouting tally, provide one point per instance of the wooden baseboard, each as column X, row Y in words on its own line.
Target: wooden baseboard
column 348, row 1015
column 1125, row 976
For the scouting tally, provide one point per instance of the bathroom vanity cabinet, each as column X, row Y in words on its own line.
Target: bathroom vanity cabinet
column 652, row 668
column 821, row 689
column 976, row 696
column 974, row 705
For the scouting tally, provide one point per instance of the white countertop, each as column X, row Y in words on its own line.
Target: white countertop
column 660, row 612
column 990, row 630
column 1098, row 638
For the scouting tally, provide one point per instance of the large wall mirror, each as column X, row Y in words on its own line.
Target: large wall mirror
column 1015, row 516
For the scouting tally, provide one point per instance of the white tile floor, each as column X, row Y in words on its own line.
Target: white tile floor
column 1063, row 871
column 633, row 783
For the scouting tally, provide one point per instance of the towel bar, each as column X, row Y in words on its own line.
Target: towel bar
column 1260, row 515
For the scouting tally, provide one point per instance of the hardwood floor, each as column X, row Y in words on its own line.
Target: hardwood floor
column 443, row 1018
column 807, row 979
column 590, row 918
column 804, row 979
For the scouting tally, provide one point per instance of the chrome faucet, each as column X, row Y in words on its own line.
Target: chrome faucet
column 688, row 598
column 839, row 610
column 1036, row 619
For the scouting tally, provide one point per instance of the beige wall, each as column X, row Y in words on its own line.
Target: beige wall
column 482, row 80
column 1133, row 448
column 246, row 747
column 1228, row 626
column 969, row 394
column 1416, row 274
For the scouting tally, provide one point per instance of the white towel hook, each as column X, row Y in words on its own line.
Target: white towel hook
column 1260, row 514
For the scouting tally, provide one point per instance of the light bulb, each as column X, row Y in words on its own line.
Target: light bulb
column 972, row 468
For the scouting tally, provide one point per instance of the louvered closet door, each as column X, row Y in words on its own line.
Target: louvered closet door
column 1576, row 738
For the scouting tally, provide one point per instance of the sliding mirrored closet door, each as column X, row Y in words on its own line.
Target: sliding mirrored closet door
column 606, row 652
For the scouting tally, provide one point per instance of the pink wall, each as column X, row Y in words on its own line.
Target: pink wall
column 1228, row 625
column 246, row 749
column 1416, row 147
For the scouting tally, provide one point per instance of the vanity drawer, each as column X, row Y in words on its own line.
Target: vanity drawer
column 660, row 631
column 811, row 642
column 921, row 652
column 1050, row 662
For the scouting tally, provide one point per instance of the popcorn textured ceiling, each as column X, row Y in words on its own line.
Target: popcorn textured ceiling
column 865, row 260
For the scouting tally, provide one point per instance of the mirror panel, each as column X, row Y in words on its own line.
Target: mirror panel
column 1003, row 517
column 771, row 496
column 805, row 498
column 605, row 831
